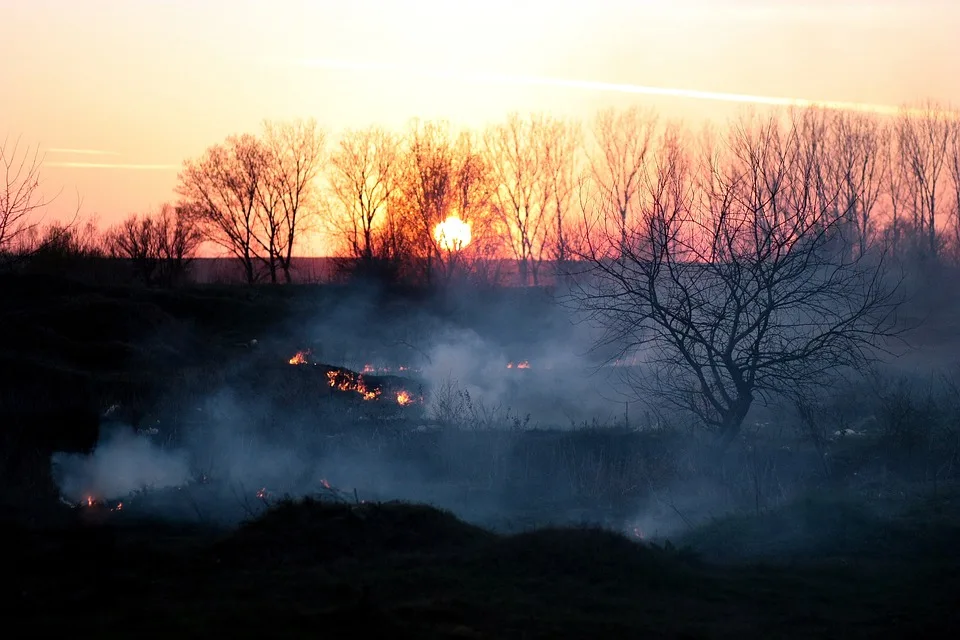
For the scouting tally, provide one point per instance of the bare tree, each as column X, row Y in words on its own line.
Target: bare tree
column 953, row 162
column 363, row 179
column 20, row 197
column 474, row 188
column 222, row 191
column 159, row 247
column 896, row 195
column 292, row 153
column 441, row 173
column 134, row 240
column 518, row 154
column 729, row 286
column 618, row 162
column 858, row 152
column 923, row 142
column 562, row 141
column 427, row 189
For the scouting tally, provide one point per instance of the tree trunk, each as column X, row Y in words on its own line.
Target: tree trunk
column 733, row 418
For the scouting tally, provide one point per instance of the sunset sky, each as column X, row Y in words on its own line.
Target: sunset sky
column 119, row 92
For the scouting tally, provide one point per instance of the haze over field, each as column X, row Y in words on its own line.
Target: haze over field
column 119, row 93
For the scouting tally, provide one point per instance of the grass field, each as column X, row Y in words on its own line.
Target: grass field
column 595, row 532
column 310, row 568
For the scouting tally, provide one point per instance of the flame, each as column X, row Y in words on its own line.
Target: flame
column 300, row 357
column 93, row 502
column 453, row 234
column 404, row 398
column 325, row 484
column 525, row 364
column 368, row 368
column 346, row 381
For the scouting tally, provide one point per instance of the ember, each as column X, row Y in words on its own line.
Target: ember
column 369, row 368
column 91, row 502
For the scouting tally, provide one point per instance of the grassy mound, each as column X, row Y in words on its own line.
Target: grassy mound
column 832, row 526
column 310, row 530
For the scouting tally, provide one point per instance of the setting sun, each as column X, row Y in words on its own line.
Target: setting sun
column 453, row 234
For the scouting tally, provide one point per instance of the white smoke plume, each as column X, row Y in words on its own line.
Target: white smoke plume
column 121, row 463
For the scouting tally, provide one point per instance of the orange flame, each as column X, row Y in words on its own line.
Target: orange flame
column 300, row 357
column 520, row 365
column 404, row 398
column 346, row 381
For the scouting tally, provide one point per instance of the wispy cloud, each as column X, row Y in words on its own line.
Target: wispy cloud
column 84, row 152
column 112, row 165
column 591, row 85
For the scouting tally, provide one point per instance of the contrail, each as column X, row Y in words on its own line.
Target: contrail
column 590, row 85
column 105, row 165
column 88, row 152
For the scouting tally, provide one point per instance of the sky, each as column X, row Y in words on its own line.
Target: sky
column 117, row 93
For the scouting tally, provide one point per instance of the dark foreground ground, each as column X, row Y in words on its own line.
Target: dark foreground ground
column 313, row 569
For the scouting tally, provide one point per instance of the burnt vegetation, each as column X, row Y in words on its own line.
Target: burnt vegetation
column 726, row 385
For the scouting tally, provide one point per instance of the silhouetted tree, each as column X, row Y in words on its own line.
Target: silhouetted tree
column 923, row 143
column 562, row 140
column 442, row 174
column 221, row 190
column 728, row 285
column 618, row 162
column 518, row 152
column 858, row 155
column 364, row 178
column 954, row 167
column 159, row 247
column 292, row 153
column 22, row 203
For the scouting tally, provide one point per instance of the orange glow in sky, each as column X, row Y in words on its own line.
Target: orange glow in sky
column 117, row 93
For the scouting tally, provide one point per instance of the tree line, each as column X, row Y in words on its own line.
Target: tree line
column 540, row 190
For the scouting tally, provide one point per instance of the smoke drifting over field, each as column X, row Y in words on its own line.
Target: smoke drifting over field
column 520, row 423
column 488, row 370
column 122, row 463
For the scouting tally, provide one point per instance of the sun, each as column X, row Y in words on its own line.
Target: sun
column 453, row 234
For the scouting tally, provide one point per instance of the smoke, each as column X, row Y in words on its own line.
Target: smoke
column 266, row 428
column 122, row 463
